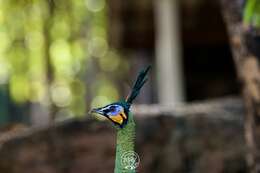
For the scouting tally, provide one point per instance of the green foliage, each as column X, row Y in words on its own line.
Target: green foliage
column 46, row 48
column 251, row 15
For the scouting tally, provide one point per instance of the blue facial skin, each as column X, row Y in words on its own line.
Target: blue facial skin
column 110, row 110
column 114, row 110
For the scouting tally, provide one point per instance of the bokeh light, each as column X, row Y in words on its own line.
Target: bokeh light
column 95, row 5
column 97, row 47
column 61, row 95
column 45, row 51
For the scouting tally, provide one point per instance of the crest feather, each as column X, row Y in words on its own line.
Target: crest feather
column 140, row 81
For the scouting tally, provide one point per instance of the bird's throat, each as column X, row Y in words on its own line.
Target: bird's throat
column 125, row 144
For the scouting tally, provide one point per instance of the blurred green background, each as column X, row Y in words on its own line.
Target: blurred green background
column 46, row 49
column 60, row 58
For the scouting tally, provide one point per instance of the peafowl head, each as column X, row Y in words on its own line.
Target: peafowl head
column 115, row 112
column 118, row 112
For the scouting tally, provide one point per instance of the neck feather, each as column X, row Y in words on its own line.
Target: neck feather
column 125, row 143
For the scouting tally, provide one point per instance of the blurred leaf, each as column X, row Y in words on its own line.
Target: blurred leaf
column 249, row 11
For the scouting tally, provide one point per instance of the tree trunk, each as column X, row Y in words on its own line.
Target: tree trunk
column 247, row 65
column 168, row 54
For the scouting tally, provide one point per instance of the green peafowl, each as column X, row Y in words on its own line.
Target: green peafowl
column 119, row 113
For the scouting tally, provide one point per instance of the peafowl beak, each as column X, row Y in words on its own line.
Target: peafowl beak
column 98, row 111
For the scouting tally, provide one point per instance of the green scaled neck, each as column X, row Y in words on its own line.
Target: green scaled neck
column 126, row 134
column 125, row 143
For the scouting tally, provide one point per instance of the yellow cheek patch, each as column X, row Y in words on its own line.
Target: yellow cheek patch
column 118, row 119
